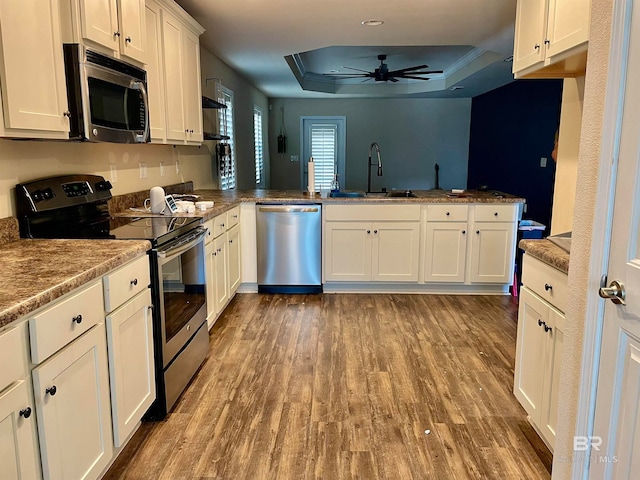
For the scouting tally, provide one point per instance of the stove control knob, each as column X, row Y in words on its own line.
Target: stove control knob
column 37, row 196
column 95, row 132
column 104, row 185
column 48, row 194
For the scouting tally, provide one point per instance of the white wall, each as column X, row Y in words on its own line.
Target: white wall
column 413, row 134
column 22, row 161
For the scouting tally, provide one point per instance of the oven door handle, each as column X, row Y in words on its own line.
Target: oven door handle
column 181, row 246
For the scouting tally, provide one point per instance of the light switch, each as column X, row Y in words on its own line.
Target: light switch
column 543, row 162
column 295, row 158
column 143, row 170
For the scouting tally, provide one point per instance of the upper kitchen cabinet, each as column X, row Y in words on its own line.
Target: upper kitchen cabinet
column 551, row 38
column 34, row 95
column 173, row 66
column 117, row 25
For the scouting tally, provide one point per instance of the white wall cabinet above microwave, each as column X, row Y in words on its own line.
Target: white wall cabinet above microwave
column 34, row 95
column 117, row 25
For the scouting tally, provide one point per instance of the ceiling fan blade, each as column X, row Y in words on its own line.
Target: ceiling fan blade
column 356, row 69
column 353, row 76
column 429, row 72
column 349, row 75
column 392, row 79
column 408, row 69
column 414, row 78
column 366, row 79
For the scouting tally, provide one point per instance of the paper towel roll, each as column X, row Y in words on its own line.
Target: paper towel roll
column 311, row 169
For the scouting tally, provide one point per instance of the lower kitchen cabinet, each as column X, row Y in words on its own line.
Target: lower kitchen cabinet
column 221, row 276
column 538, row 360
column 131, row 367
column 72, row 403
column 18, row 434
column 445, row 252
column 233, row 259
column 492, row 252
column 347, row 249
column 395, row 251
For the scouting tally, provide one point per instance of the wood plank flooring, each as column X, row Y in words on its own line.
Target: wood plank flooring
column 341, row 386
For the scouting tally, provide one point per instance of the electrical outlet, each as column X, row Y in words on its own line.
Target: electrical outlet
column 162, row 172
column 543, row 162
column 177, row 167
column 114, row 174
column 143, row 170
column 295, row 158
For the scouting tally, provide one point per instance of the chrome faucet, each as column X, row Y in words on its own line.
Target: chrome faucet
column 377, row 147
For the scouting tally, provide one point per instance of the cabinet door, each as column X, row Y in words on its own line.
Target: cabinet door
column 173, row 76
column 131, row 368
column 529, row 46
column 192, row 96
column 155, row 68
column 233, row 259
column 34, row 95
column 18, row 442
column 221, row 284
column 132, row 29
column 549, row 411
column 568, row 25
column 210, row 275
column 531, row 349
column 74, row 419
column 395, row 251
column 347, row 251
column 445, row 251
column 492, row 252
column 99, row 22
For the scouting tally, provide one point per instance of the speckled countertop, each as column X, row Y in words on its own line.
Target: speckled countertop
column 36, row 272
column 226, row 199
column 548, row 252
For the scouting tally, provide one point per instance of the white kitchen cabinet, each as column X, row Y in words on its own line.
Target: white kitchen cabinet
column 493, row 234
column 117, row 25
column 18, row 434
column 538, row 354
column 34, row 95
column 71, row 392
column 180, row 61
column 223, row 263
column 154, row 66
column 130, row 346
column 364, row 243
column 551, row 38
column 445, row 252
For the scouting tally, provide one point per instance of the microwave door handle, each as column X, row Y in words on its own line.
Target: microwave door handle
column 145, row 98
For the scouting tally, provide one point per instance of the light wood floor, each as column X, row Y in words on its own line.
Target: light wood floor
column 349, row 387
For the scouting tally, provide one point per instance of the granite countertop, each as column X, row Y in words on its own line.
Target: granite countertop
column 36, row 272
column 226, row 199
column 548, row 252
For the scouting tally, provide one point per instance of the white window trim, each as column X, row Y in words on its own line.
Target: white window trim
column 341, row 149
column 232, row 141
column 258, row 156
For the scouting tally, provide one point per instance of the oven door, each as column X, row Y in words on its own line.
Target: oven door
column 115, row 106
column 182, row 297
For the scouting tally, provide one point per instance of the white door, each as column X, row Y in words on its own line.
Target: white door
column 617, row 419
column 395, row 251
column 445, row 252
column 324, row 139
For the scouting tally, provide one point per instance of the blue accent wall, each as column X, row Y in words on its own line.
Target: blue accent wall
column 512, row 127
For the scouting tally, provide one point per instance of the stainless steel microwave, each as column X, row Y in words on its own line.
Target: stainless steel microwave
column 107, row 97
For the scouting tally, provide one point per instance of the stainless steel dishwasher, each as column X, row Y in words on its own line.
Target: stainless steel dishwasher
column 289, row 248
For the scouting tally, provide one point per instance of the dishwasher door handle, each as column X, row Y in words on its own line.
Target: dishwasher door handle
column 288, row 209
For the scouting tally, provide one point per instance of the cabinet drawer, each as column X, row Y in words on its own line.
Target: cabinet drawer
column 125, row 283
column 362, row 213
column 547, row 282
column 219, row 225
column 233, row 217
column 495, row 213
column 57, row 326
column 447, row 213
column 13, row 344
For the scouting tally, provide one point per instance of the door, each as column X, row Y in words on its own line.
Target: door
column 395, row 251
column 99, row 21
column 445, row 252
column 192, row 97
column 133, row 35
column 531, row 18
column 617, row 416
column 347, row 251
column 220, row 284
column 324, row 139
column 492, row 252
column 172, row 59
column 233, row 259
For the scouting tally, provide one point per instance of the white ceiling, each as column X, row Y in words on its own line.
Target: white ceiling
column 255, row 37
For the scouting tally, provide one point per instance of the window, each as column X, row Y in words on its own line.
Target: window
column 323, row 138
column 258, row 148
column 227, row 165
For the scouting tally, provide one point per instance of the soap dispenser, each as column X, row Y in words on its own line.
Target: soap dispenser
column 335, row 185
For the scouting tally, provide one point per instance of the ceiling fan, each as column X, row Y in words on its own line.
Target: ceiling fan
column 383, row 74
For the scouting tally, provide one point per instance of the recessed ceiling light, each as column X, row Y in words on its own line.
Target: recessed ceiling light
column 508, row 59
column 334, row 71
column 456, row 87
column 372, row 23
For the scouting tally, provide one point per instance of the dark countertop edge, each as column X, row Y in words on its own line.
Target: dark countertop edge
column 547, row 252
column 26, row 306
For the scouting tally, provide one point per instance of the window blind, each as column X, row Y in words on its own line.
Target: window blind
column 228, row 166
column 323, row 151
column 258, row 148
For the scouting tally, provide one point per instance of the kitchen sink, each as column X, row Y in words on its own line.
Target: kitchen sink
column 346, row 194
column 401, row 193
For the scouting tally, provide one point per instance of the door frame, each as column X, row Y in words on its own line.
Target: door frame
column 601, row 231
column 341, row 145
